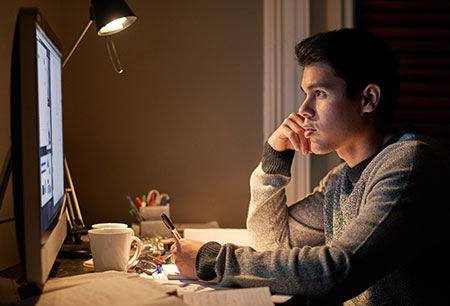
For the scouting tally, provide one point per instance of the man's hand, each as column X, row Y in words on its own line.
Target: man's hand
column 290, row 135
column 184, row 254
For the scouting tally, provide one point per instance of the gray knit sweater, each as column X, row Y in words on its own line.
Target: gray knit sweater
column 374, row 234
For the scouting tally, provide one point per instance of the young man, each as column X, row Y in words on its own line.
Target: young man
column 373, row 232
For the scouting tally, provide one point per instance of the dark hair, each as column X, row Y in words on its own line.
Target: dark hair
column 360, row 58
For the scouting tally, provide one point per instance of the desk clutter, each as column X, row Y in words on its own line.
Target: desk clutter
column 148, row 210
column 151, row 272
column 139, row 286
column 114, row 247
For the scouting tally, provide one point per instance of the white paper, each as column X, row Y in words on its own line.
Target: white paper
column 237, row 236
column 237, row 297
column 185, row 286
column 171, row 272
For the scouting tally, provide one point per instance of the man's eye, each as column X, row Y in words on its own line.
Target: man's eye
column 319, row 93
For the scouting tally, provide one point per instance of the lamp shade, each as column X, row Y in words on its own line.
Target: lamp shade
column 111, row 16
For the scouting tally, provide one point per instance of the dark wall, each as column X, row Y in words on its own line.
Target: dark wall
column 185, row 117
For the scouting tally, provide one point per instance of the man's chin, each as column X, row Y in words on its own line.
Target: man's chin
column 317, row 149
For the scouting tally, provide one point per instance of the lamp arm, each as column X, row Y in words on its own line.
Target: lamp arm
column 74, row 196
column 86, row 28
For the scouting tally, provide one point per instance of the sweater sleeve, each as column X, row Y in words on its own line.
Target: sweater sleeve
column 272, row 223
column 274, row 162
column 206, row 260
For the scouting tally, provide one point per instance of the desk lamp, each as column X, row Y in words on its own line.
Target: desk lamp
column 110, row 17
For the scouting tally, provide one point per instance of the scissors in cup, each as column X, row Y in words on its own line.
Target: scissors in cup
column 155, row 198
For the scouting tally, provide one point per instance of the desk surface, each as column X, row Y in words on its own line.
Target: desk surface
column 70, row 260
column 69, row 267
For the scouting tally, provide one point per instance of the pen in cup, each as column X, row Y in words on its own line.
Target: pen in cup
column 138, row 200
column 135, row 209
column 170, row 226
column 152, row 199
column 166, row 202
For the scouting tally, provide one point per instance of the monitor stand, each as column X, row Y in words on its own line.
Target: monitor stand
column 74, row 249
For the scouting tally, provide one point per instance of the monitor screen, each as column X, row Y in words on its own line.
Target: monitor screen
column 50, row 128
column 37, row 145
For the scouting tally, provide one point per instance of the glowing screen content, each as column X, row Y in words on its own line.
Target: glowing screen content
column 50, row 128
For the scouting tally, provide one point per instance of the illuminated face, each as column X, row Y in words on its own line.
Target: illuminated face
column 332, row 120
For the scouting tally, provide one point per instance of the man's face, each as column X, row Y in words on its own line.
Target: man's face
column 332, row 119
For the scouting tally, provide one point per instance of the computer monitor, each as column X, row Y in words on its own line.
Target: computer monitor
column 37, row 145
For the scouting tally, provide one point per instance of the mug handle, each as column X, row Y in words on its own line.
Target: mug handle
column 138, row 250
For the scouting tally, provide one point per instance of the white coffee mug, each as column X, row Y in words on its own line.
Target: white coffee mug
column 109, row 225
column 111, row 248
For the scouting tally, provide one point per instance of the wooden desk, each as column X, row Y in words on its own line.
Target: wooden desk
column 70, row 260
column 69, row 266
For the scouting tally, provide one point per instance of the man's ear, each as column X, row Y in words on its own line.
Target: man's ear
column 370, row 97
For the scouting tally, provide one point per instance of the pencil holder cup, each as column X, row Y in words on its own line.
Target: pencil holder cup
column 153, row 226
column 154, row 212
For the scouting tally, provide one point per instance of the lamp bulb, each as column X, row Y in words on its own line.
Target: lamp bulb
column 114, row 25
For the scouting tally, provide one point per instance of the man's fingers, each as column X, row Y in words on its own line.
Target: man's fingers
column 294, row 131
column 305, row 144
column 290, row 135
column 294, row 139
column 295, row 122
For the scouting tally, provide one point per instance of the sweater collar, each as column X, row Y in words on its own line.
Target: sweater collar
column 355, row 172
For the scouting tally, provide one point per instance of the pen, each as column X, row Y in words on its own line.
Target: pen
column 135, row 210
column 139, row 201
column 132, row 213
column 163, row 198
column 152, row 199
column 166, row 202
column 170, row 226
